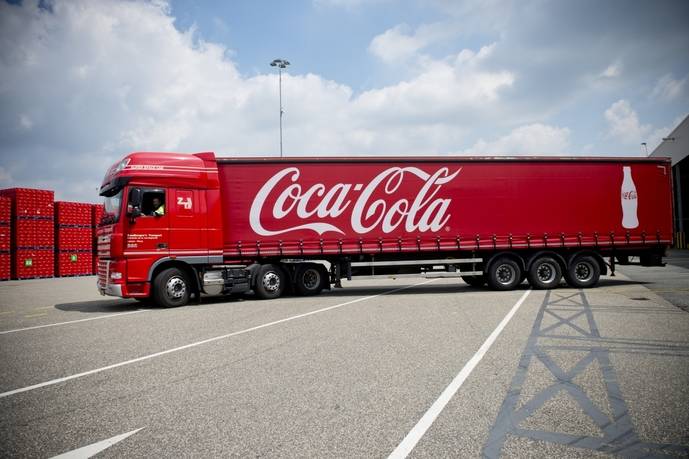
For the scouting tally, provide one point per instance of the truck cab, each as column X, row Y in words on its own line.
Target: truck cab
column 161, row 213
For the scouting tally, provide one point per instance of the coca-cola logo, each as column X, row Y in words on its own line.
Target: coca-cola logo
column 374, row 205
column 629, row 195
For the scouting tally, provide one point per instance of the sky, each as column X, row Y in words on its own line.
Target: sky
column 85, row 82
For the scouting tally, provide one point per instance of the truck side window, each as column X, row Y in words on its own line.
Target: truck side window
column 153, row 203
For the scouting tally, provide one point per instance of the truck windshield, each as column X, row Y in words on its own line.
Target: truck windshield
column 112, row 207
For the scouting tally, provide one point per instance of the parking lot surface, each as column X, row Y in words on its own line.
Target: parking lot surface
column 424, row 367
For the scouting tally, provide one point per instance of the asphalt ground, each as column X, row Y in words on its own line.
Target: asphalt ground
column 355, row 372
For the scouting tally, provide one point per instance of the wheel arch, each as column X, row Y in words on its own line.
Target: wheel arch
column 592, row 253
column 188, row 269
column 560, row 259
column 512, row 255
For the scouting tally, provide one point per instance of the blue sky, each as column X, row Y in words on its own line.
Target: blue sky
column 87, row 81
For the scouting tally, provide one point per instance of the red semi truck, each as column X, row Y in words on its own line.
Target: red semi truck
column 177, row 225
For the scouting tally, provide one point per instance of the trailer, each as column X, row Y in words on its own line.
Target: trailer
column 177, row 225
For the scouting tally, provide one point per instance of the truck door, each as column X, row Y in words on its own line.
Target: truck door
column 147, row 236
column 187, row 224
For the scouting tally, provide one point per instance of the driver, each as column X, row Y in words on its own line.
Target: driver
column 158, row 207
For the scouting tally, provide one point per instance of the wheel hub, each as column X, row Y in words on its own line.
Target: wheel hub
column 175, row 288
column 583, row 271
column 271, row 282
column 311, row 279
column 546, row 273
column 505, row 274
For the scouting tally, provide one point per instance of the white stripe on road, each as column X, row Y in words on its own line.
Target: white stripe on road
column 72, row 321
column 413, row 437
column 205, row 341
column 95, row 448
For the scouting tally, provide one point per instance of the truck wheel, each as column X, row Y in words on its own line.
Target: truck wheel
column 583, row 272
column 309, row 280
column 475, row 281
column 504, row 274
column 171, row 288
column 270, row 282
column 545, row 273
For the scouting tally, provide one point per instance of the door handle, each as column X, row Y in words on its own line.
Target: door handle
column 162, row 245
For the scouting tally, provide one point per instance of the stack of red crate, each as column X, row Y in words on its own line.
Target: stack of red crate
column 5, row 237
column 97, row 211
column 74, row 234
column 32, row 232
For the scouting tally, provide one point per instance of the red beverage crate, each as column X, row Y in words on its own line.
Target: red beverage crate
column 29, row 202
column 97, row 211
column 5, row 261
column 32, row 263
column 5, row 210
column 30, row 233
column 74, row 238
column 73, row 213
column 73, row 263
column 5, row 238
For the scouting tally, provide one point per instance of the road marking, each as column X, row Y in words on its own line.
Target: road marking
column 6, row 312
column 205, row 341
column 95, row 448
column 29, row 316
column 418, row 431
column 71, row 321
column 44, row 307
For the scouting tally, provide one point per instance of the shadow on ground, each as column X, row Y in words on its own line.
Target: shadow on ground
column 101, row 306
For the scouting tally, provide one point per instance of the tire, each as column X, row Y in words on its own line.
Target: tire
column 504, row 274
column 308, row 280
column 475, row 281
column 545, row 273
column 171, row 288
column 583, row 272
column 270, row 282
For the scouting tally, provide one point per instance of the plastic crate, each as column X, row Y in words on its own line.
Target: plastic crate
column 5, row 262
column 74, row 238
column 5, row 210
column 5, row 238
column 33, row 233
column 30, row 202
column 73, row 263
column 73, row 213
column 33, row 263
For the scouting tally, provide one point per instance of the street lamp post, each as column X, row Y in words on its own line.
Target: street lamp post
column 280, row 64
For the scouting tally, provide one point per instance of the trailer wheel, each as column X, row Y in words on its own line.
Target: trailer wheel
column 475, row 281
column 308, row 280
column 270, row 281
column 171, row 288
column 544, row 273
column 583, row 272
column 504, row 274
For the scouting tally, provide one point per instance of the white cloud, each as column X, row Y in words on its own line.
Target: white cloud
column 613, row 70
column 401, row 42
column 95, row 80
column 624, row 126
column 533, row 139
column 668, row 88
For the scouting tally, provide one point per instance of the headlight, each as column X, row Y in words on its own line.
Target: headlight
column 115, row 275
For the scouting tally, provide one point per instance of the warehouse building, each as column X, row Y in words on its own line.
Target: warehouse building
column 676, row 146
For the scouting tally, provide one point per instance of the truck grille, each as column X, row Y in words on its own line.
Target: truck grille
column 103, row 272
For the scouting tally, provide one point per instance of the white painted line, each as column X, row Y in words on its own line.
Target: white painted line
column 205, row 341
column 72, row 321
column 418, row 431
column 95, row 448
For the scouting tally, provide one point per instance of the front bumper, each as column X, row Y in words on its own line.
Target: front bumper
column 110, row 289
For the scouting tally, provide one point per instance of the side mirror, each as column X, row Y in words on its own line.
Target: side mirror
column 134, row 205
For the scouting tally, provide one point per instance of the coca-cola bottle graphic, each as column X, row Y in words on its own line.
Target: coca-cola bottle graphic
column 629, row 200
